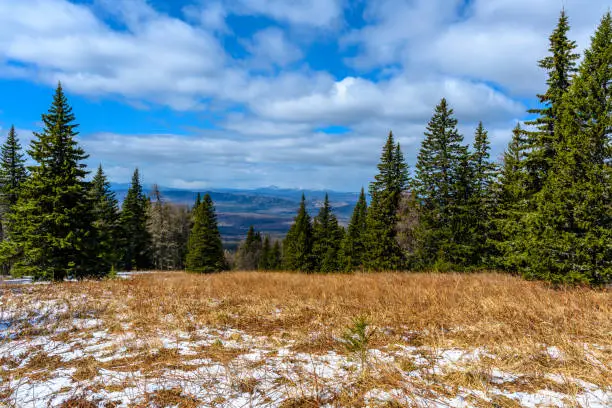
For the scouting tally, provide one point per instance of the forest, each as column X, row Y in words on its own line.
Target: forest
column 544, row 212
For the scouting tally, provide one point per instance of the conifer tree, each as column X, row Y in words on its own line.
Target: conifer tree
column 276, row 258
column 570, row 235
column 12, row 175
column 481, row 206
column 205, row 248
column 297, row 247
column 162, row 232
column 327, row 236
column 382, row 249
column 136, row 240
column 105, row 222
column 249, row 254
column 511, row 199
column 441, row 188
column 265, row 260
column 560, row 66
column 353, row 244
column 52, row 222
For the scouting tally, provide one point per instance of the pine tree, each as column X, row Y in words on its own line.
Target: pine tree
column 441, row 188
column 249, row 253
column 481, row 206
column 353, row 244
column 570, row 235
column 205, row 248
column 327, row 236
column 511, row 199
column 136, row 240
column 265, row 260
column 52, row 221
column 560, row 66
column 382, row 249
column 297, row 247
column 161, row 231
column 276, row 259
column 105, row 222
column 12, row 176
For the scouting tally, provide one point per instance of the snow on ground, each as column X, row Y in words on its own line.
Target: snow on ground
column 85, row 358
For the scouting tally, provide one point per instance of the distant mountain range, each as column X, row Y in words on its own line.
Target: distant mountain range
column 269, row 209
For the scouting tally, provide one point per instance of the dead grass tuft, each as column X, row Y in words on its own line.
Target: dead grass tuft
column 173, row 397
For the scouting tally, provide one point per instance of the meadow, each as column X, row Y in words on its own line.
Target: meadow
column 251, row 339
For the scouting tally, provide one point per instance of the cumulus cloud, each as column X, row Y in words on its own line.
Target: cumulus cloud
column 313, row 160
column 271, row 47
column 481, row 55
column 210, row 15
column 496, row 41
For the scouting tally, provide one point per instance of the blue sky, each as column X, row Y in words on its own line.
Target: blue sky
column 294, row 93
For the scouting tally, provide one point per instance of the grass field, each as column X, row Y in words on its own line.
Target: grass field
column 284, row 340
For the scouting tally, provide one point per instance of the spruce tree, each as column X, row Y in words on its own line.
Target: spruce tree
column 105, row 222
column 353, row 244
column 52, row 222
column 161, row 230
column 441, row 189
column 276, row 258
column 570, row 235
column 382, row 249
column 249, row 253
column 481, row 205
column 265, row 260
column 205, row 247
column 297, row 247
column 327, row 236
column 560, row 67
column 12, row 175
column 136, row 240
column 511, row 199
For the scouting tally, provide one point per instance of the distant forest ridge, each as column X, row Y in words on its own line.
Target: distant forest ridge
column 269, row 209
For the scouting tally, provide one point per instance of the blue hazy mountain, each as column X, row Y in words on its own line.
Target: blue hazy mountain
column 269, row 209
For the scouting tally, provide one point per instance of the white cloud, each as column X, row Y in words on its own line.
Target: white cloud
column 426, row 49
column 313, row 160
column 496, row 41
column 272, row 47
column 353, row 100
column 210, row 15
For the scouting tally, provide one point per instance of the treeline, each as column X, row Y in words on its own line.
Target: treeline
column 544, row 212
column 54, row 224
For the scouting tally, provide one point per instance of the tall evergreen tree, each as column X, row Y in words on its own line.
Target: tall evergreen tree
column 52, row 221
column 570, row 235
column 105, row 222
column 353, row 244
column 136, row 240
column 162, row 232
column 327, row 236
column 297, row 247
column 481, row 206
column 511, row 202
column 205, row 248
column 12, row 175
column 441, row 188
column 276, row 259
column 382, row 249
column 560, row 66
column 265, row 260
column 249, row 253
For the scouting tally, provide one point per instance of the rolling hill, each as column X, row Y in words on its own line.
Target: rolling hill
column 269, row 209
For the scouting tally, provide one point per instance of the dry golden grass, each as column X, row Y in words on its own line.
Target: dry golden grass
column 514, row 320
column 478, row 309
